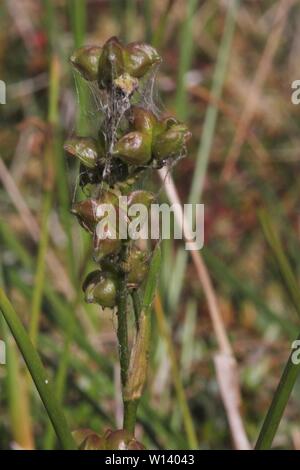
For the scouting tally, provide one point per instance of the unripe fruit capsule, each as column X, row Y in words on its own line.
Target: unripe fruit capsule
column 85, row 149
column 86, row 61
column 100, row 287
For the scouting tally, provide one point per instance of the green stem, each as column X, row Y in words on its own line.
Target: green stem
column 122, row 330
column 38, row 373
column 185, row 58
column 210, row 120
column 122, row 333
column 291, row 370
column 77, row 13
column 137, row 371
column 130, row 411
column 278, row 404
column 130, row 407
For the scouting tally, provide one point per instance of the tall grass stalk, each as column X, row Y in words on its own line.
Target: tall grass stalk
column 185, row 58
column 292, row 369
column 278, row 405
column 78, row 15
column 210, row 120
column 38, row 374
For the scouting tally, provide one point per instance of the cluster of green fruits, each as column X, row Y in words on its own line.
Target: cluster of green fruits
column 131, row 139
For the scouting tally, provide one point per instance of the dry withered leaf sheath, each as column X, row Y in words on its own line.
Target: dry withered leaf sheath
column 132, row 138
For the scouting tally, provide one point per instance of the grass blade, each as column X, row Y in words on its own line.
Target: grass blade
column 211, row 116
column 291, row 369
column 279, row 402
column 38, row 373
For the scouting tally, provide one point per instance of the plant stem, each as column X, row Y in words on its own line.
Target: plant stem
column 122, row 330
column 77, row 12
column 291, row 369
column 130, row 411
column 38, row 373
column 278, row 404
column 211, row 115
column 78, row 16
column 130, row 407
column 139, row 357
column 185, row 58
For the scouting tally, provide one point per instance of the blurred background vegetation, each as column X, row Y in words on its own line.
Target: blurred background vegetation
column 227, row 71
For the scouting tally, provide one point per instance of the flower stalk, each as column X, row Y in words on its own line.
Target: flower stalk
column 132, row 138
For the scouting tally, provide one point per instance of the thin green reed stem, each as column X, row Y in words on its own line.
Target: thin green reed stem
column 77, row 14
column 39, row 376
column 130, row 414
column 279, row 402
column 185, row 58
column 211, row 115
column 148, row 10
column 122, row 331
column 292, row 369
column 158, row 36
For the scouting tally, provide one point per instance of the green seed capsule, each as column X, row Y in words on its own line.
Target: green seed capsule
column 135, row 445
column 111, row 63
column 171, row 143
column 86, row 439
column 86, row 61
column 134, row 148
column 143, row 120
column 121, row 440
column 85, row 149
column 136, row 266
column 87, row 211
column 100, row 287
column 105, row 247
column 116, row 59
column 139, row 58
column 93, row 442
